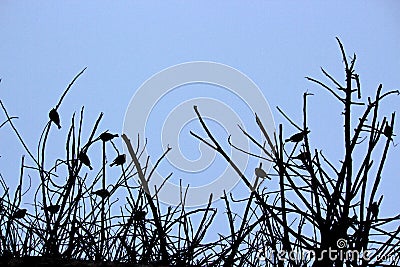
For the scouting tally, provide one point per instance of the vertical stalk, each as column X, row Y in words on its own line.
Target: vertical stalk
column 347, row 134
column 103, row 202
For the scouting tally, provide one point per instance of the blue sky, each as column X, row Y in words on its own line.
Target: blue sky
column 44, row 44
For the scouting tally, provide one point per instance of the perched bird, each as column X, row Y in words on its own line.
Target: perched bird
column 374, row 208
column 260, row 173
column 52, row 209
column 303, row 156
column 106, row 136
column 83, row 157
column 388, row 131
column 297, row 137
column 19, row 214
column 54, row 117
column 119, row 160
column 103, row 193
column 139, row 215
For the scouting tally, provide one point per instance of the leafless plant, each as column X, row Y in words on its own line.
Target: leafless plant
column 77, row 219
column 329, row 204
column 88, row 217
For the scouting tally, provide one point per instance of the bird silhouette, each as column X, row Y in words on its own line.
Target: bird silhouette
column 374, row 208
column 388, row 131
column 52, row 209
column 297, row 137
column 54, row 117
column 139, row 215
column 19, row 214
column 119, row 160
column 106, row 136
column 83, row 157
column 260, row 173
column 103, row 193
column 303, row 156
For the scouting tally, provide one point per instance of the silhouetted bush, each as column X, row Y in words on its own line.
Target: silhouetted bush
column 75, row 221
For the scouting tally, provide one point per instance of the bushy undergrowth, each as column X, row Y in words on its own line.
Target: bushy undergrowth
column 76, row 213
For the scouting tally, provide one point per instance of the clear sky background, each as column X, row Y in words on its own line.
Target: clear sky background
column 44, row 44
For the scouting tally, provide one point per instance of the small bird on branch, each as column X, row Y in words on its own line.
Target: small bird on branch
column 19, row 214
column 119, row 160
column 139, row 215
column 103, row 193
column 83, row 157
column 374, row 209
column 52, row 209
column 259, row 172
column 297, row 137
column 106, row 136
column 54, row 117
column 303, row 156
column 388, row 131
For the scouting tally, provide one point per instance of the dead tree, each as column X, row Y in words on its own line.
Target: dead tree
column 334, row 208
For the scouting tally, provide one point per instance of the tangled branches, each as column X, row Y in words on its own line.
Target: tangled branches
column 334, row 208
column 326, row 211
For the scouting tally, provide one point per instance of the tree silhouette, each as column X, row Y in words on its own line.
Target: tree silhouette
column 323, row 210
column 335, row 202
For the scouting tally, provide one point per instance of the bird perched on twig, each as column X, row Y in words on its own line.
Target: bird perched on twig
column 388, row 131
column 297, row 137
column 52, row 209
column 83, row 157
column 54, row 117
column 106, row 136
column 303, row 156
column 103, row 193
column 260, row 173
column 119, row 160
column 19, row 214
column 139, row 215
column 374, row 209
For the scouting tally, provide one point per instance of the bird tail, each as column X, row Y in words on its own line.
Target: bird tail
column 287, row 140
